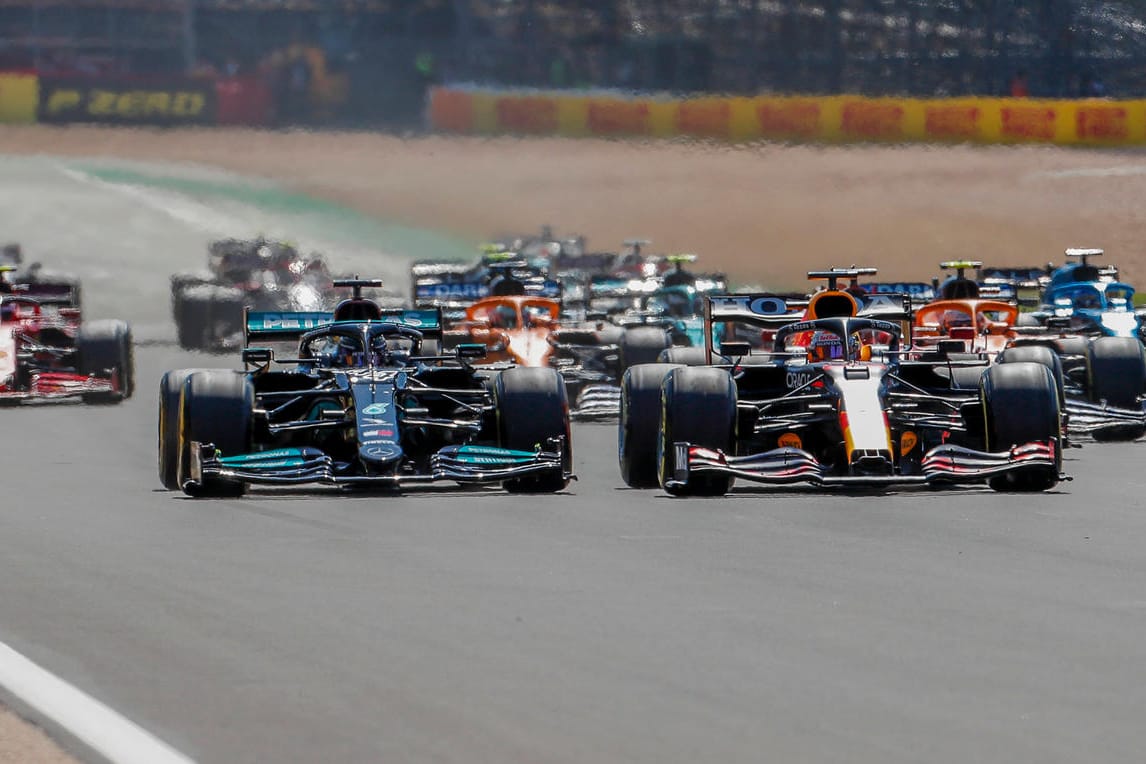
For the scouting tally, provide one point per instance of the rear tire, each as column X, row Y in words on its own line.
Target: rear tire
column 1038, row 354
column 639, row 425
column 698, row 406
column 192, row 312
column 1021, row 405
column 170, row 392
column 215, row 407
column 102, row 348
column 1026, row 319
column 685, row 356
column 532, row 408
column 1116, row 373
column 642, row 344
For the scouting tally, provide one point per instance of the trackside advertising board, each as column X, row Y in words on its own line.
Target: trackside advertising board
column 825, row 119
column 67, row 100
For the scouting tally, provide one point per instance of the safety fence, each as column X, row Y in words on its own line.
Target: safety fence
column 792, row 118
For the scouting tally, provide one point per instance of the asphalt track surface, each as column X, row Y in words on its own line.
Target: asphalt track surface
column 602, row 624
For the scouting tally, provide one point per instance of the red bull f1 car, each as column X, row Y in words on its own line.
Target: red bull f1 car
column 845, row 407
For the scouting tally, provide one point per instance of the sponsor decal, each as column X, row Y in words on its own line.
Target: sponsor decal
column 708, row 118
column 790, row 440
column 914, row 289
column 862, row 119
column 528, row 114
column 451, row 110
column 800, row 118
column 1102, row 123
column 449, row 291
column 381, row 450
column 795, row 379
column 376, row 409
column 760, row 305
column 1028, row 122
column 955, row 121
column 907, row 441
column 377, row 433
column 618, row 117
column 269, row 322
column 83, row 99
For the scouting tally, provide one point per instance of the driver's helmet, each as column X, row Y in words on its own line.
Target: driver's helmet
column 1086, row 300
column 825, row 346
column 503, row 317
column 349, row 353
column 955, row 318
column 391, row 351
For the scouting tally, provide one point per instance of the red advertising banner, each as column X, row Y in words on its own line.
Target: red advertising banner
column 527, row 114
column 452, row 110
column 872, row 120
column 617, row 117
column 704, row 118
column 1032, row 123
column 243, row 101
column 784, row 118
column 1102, row 123
column 952, row 122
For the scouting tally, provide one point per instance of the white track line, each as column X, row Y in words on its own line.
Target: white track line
column 102, row 729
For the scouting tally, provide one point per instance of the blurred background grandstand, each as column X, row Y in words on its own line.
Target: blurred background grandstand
column 369, row 61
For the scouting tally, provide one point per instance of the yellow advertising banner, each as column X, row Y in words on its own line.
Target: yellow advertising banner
column 19, row 96
column 824, row 119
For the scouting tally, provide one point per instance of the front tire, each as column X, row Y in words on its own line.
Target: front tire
column 170, row 393
column 103, row 348
column 1021, row 405
column 215, row 407
column 698, row 407
column 1116, row 374
column 532, row 409
column 641, row 344
column 639, row 425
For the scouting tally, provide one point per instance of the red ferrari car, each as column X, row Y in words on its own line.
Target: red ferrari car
column 47, row 352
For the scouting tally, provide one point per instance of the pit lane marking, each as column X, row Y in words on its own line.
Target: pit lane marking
column 109, row 734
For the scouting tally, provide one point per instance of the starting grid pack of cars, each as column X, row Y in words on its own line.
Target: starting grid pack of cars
column 983, row 378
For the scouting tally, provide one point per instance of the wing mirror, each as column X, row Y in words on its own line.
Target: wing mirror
column 258, row 356
column 471, row 350
column 735, row 349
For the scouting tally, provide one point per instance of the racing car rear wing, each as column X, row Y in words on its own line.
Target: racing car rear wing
column 285, row 325
column 774, row 311
column 918, row 291
column 471, row 291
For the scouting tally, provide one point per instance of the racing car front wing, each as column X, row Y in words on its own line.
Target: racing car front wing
column 1085, row 418
column 785, row 466
column 50, row 385
column 600, row 401
column 297, row 466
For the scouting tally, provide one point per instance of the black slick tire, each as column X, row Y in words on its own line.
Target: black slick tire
column 1116, row 374
column 641, row 344
column 640, row 423
column 533, row 409
column 102, row 348
column 698, row 407
column 170, row 393
column 1021, row 405
column 215, row 407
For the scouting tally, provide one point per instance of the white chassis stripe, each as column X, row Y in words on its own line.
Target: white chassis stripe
column 94, row 724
